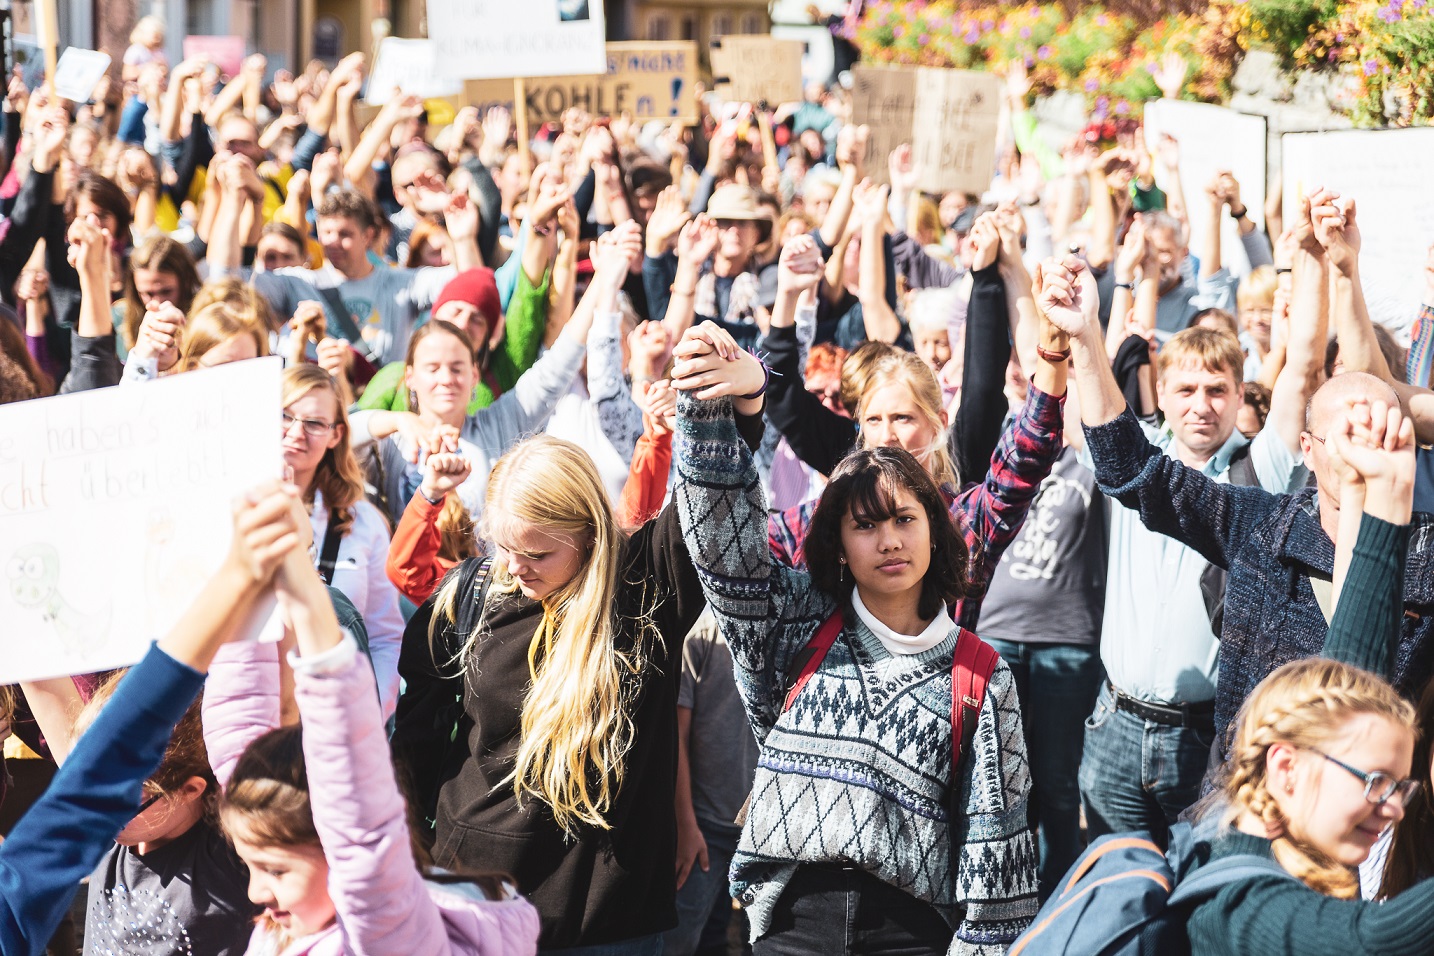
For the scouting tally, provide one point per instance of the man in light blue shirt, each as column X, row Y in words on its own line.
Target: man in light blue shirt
column 1148, row 742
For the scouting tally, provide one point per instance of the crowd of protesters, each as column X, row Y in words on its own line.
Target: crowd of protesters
column 644, row 493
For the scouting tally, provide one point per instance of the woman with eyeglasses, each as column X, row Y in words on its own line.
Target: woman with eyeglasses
column 1320, row 765
column 351, row 537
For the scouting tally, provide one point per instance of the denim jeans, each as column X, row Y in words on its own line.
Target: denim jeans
column 1057, row 685
column 643, row 946
column 1137, row 774
column 828, row 910
column 702, row 891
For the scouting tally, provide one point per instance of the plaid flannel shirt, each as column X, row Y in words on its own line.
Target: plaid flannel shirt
column 988, row 513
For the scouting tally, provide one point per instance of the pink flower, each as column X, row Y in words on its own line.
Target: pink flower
column 1025, row 33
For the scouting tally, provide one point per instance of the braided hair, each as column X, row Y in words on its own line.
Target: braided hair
column 1302, row 704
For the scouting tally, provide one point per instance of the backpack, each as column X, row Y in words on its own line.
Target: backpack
column 1123, row 897
column 972, row 664
column 1213, row 579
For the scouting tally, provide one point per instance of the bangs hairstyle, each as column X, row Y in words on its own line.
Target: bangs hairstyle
column 908, row 369
column 211, row 327
column 865, row 486
column 1213, row 349
column 338, row 475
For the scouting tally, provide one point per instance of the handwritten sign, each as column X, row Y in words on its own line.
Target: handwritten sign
column 225, row 52
column 949, row 117
column 411, row 67
column 884, row 100
column 490, row 39
column 115, row 510
column 79, row 72
column 1387, row 173
column 1213, row 138
column 757, row 69
column 955, row 120
column 648, row 80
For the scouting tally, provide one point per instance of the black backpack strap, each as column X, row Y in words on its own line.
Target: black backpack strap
column 345, row 322
column 329, row 553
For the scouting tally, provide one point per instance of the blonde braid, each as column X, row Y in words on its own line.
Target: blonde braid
column 1303, row 704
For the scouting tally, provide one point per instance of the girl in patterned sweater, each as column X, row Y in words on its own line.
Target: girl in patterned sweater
column 850, row 846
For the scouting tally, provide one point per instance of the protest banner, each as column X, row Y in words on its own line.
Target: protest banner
column 225, row 52
column 954, row 118
column 494, row 39
column 411, row 67
column 757, row 69
column 115, row 509
column 1386, row 172
column 884, row 100
column 1210, row 139
column 647, row 80
column 78, row 73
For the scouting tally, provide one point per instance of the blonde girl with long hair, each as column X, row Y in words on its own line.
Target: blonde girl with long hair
column 351, row 536
column 567, row 662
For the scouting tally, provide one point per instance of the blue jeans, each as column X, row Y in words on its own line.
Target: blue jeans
column 1057, row 685
column 643, row 946
column 1137, row 774
column 702, row 890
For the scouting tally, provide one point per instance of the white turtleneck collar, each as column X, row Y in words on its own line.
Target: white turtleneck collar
column 936, row 632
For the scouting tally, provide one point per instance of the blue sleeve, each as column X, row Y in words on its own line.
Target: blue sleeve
column 309, row 145
column 506, row 275
column 67, row 832
column 657, row 277
column 131, row 124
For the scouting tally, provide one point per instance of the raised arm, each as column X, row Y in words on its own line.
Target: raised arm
column 987, row 351
column 358, row 166
column 321, row 114
column 1373, row 448
column 695, row 245
column 880, row 319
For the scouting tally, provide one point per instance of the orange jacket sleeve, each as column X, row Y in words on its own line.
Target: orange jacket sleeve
column 414, row 565
column 646, row 480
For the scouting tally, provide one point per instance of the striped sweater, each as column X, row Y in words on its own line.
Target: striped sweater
column 857, row 771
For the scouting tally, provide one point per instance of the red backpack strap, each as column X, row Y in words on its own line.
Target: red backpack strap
column 810, row 657
column 971, row 668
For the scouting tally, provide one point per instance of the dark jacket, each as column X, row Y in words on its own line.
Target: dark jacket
column 1270, row 545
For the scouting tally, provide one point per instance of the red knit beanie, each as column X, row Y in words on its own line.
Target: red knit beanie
column 476, row 287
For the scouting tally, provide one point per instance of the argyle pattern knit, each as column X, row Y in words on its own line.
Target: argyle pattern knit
column 858, row 770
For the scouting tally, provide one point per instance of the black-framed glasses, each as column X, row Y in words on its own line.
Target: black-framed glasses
column 149, row 803
column 313, row 427
column 1379, row 787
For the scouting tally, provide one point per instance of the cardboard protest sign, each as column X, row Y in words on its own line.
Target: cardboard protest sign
column 949, row 117
column 1211, row 139
column 225, row 52
column 411, row 67
column 79, row 72
column 1386, row 171
column 115, row 510
column 955, row 120
column 884, row 100
column 757, row 69
column 648, row 80
column 490, row 39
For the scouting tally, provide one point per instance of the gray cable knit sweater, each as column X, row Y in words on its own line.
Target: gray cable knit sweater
column 858, row 769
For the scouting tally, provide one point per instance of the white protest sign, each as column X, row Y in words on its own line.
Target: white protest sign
column 115, row 510
column 1211, row 139
column 1387, row 173
column 411, row 67
column 487, row 39
column 79, row 72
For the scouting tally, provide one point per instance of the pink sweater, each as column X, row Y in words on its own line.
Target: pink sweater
column 383, row 903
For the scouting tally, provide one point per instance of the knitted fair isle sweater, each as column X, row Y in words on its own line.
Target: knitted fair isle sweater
column 858, row 770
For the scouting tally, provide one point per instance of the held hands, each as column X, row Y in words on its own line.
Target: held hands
column 49, row 139
column 659, row 408
column 617, row 253
column 698, row 240
column 902, row 169
column 712, row 364
column 89, row 251
column 461, row 218
column 159, row 334
column 800, row 267
column 1373, row 446
column 1335, row 229
column 442, row 473
column 1067, row 296
column 335, row 357
column 265, row 531
column 650, row 345
column 985, row 242
column 1133, row 251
